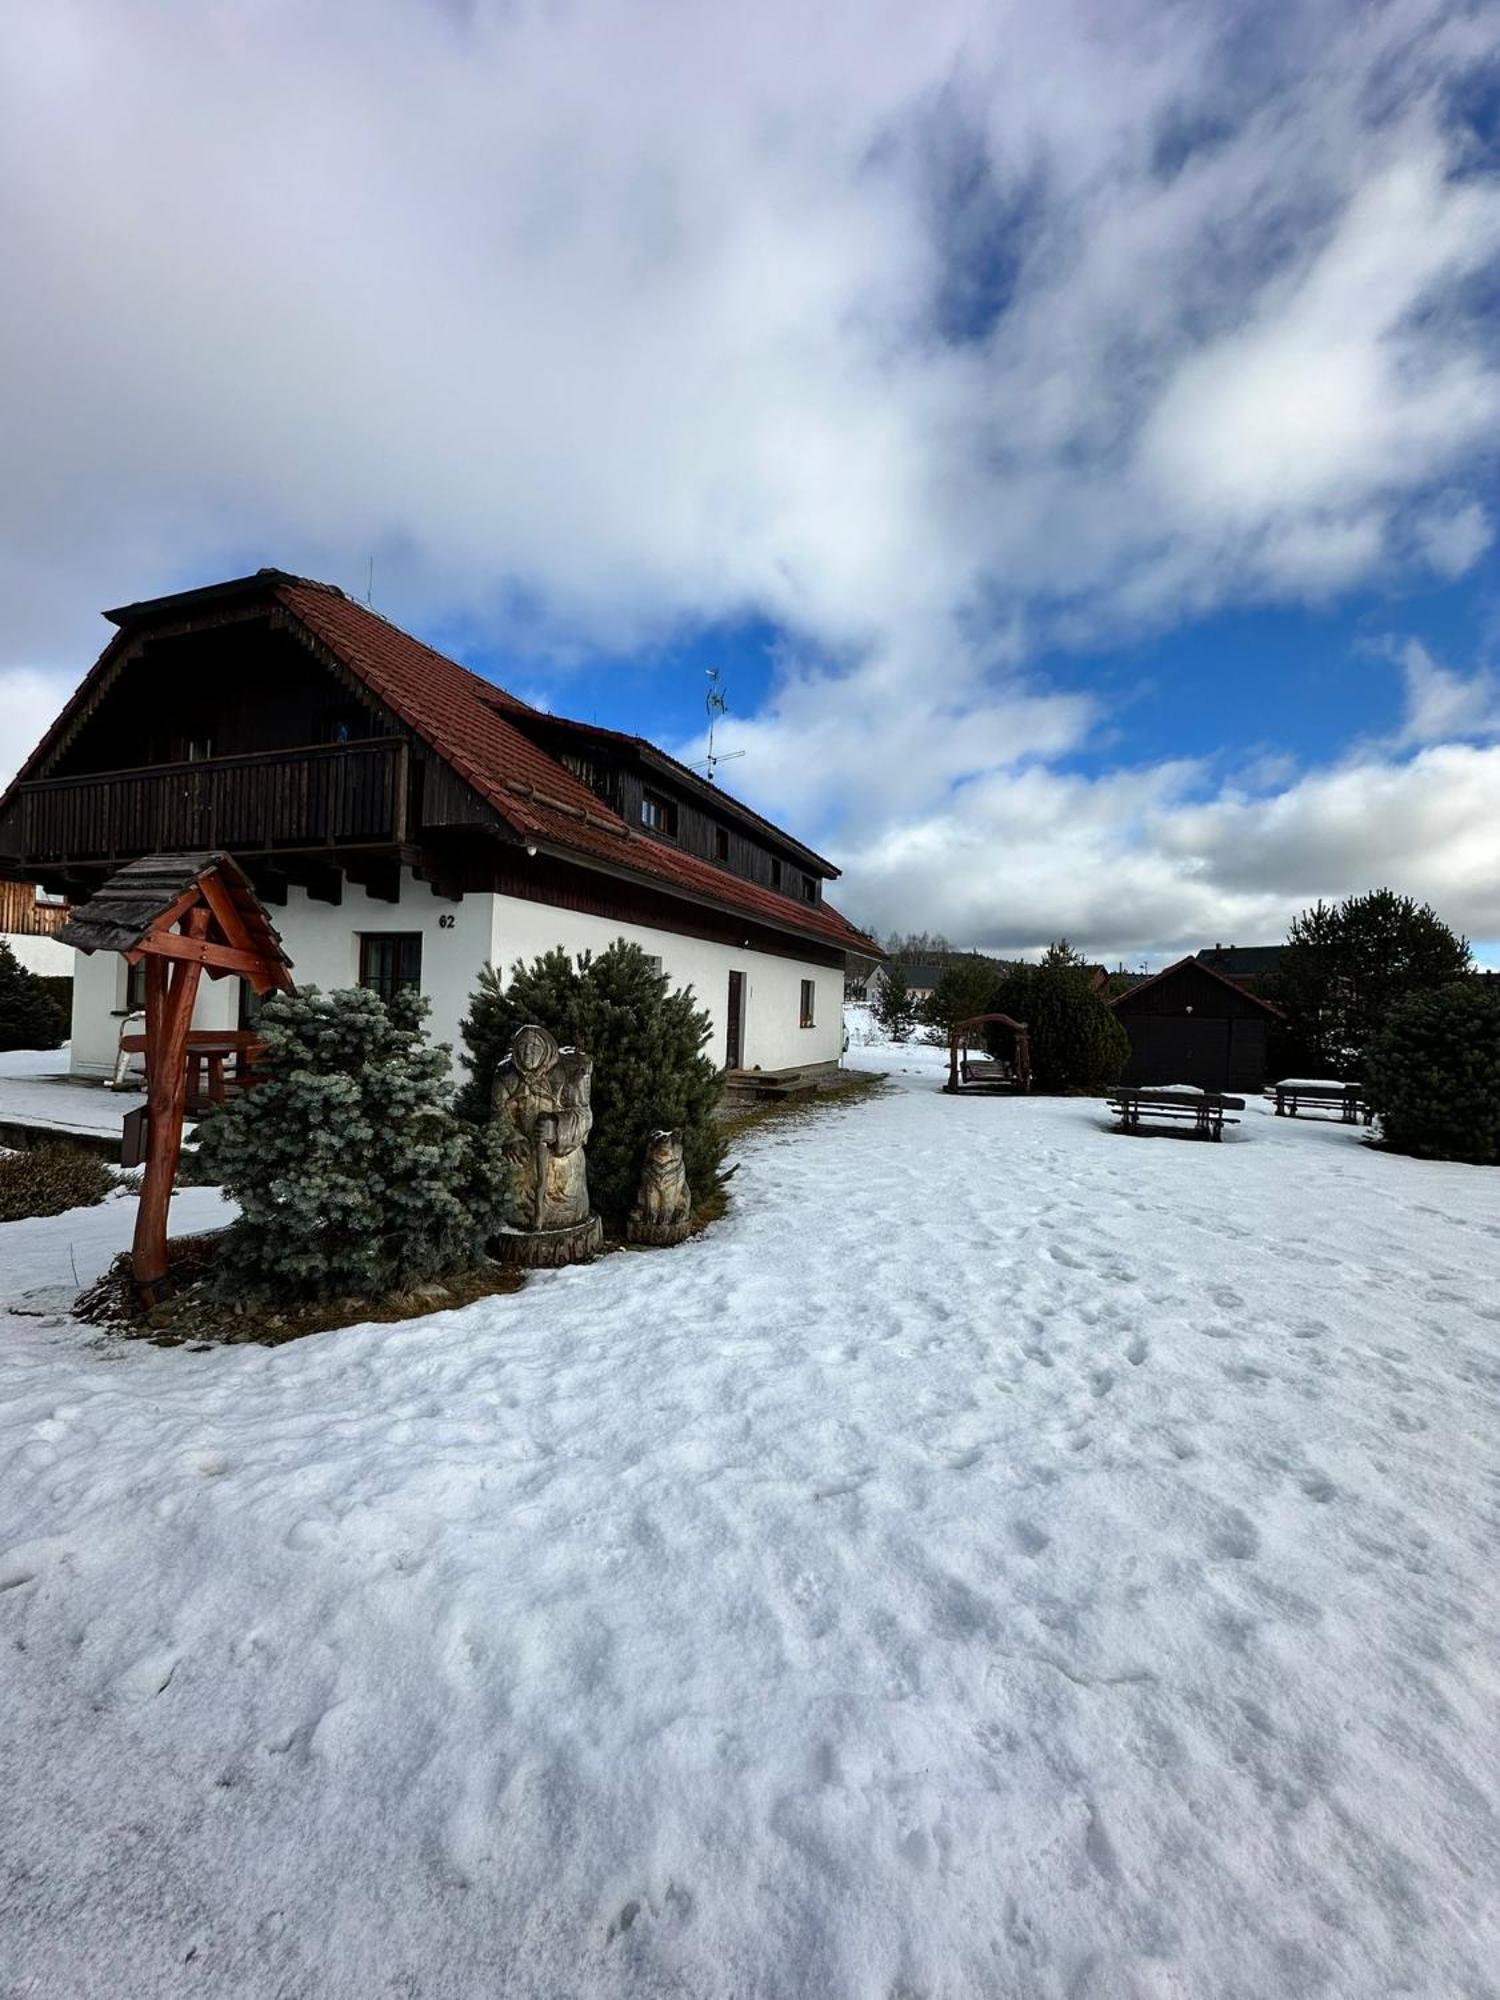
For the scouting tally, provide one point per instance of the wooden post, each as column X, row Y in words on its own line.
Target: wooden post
column 169, row 1016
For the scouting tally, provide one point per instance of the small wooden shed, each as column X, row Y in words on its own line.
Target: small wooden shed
column 1191, row 1024
column 183, row 915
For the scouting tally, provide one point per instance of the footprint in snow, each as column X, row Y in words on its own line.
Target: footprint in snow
column 1137, row 1351
column 1235, row 1538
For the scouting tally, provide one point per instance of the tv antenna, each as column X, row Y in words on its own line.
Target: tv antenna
column 716, row 702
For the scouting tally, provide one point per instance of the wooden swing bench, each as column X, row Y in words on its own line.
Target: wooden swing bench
column 987, row 1075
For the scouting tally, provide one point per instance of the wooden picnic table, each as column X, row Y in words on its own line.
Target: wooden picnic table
column 217, row 1060
column 1293, row 1092
column 1204, row 1108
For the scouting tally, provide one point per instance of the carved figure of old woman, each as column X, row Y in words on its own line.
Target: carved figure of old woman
column 541, row 1101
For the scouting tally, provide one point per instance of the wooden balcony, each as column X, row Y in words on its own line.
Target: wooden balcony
column 305, row 800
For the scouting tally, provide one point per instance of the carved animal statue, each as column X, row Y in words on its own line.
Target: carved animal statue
column 664, row 1202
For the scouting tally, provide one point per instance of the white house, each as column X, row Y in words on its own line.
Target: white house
column 409, row 822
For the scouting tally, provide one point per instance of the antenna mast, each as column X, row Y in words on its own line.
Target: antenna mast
column 716, row 702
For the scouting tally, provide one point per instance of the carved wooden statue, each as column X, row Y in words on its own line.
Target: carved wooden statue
column 541, row 1101
column 664, row 1205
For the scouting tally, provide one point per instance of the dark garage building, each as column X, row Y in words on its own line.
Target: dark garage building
column 1190, row 1024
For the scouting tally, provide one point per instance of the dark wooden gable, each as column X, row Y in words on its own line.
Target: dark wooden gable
column 1190, row 985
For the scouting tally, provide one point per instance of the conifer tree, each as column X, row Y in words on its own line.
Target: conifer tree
column 29, row 1016
column 1434, row 1074
column 965, row 987
column 352, row 1171
column 895, row 1005
column 650, row 1067
column 1076, row 1041
column 1348, row 967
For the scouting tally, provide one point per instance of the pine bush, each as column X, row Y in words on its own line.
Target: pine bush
column 1434, row 1074
column 650, row 1069
column 353, row 1172
column 30, row 1017
column 895, row 1005
column 1347, row 968
column 966, row 986
column 1077, row 1044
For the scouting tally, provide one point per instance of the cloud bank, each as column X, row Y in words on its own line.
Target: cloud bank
column 946, row 338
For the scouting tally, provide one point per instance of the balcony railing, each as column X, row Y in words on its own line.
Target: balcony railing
column 321, row 795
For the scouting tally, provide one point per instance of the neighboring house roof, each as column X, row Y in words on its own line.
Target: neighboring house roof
column 1243, row 961
column 922, row 975
column 472, row 725
column 1196, row 965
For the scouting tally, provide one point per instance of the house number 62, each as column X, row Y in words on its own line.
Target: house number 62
column 446, row 923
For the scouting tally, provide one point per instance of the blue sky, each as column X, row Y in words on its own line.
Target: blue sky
column 1070, row 431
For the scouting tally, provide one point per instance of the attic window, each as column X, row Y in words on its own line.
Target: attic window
column 775, row 873
column 721, row 843
column 659, row 814
column 810, row 888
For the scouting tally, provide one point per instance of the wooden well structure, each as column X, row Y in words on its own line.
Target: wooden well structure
column 988, row 1075
column 181, row 915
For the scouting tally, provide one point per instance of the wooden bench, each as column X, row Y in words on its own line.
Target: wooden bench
column 984, row 1069
column 1203, row 1109
column 1344, row 1097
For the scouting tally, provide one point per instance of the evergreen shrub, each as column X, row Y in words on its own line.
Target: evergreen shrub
column 895, row 1006
column 650, row 1070
column 1077, row 1044
column 353, row 1173
column 30, row 1017
column 966, row 986
column 1433, row 1076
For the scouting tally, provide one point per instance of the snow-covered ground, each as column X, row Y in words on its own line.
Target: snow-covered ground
column 35, row 1088
column 1004, row 1558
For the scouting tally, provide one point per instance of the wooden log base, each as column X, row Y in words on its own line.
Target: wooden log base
column 662, row 1234
column 549, row 1249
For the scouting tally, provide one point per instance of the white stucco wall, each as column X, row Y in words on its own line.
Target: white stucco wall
column 772, row 1038
column 40, row 954
column 322, row 940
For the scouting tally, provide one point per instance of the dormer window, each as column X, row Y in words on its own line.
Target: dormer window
column 775, row 873
column 721, row 843
column 658, row 813
column 810, row 888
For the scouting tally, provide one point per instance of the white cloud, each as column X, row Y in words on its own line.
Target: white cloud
column 1453, row 536
column 1148, row 861
column 941, row 336
column 1441, row 704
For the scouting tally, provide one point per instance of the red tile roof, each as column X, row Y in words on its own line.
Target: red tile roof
column 465, row 720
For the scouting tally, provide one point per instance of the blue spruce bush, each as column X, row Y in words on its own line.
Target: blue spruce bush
column 353, row 1173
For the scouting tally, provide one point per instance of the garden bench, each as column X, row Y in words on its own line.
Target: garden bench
column 982, row 1069
column 1293, row 1092
column 1205, row 1109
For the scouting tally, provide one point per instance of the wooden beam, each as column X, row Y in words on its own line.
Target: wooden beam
column 169, row 1016
column 226, row 914
column 195, row 949
column 377, row 876
column 270, row 883
column 323, row 882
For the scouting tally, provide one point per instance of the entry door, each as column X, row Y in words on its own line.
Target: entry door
column 734, row 1034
